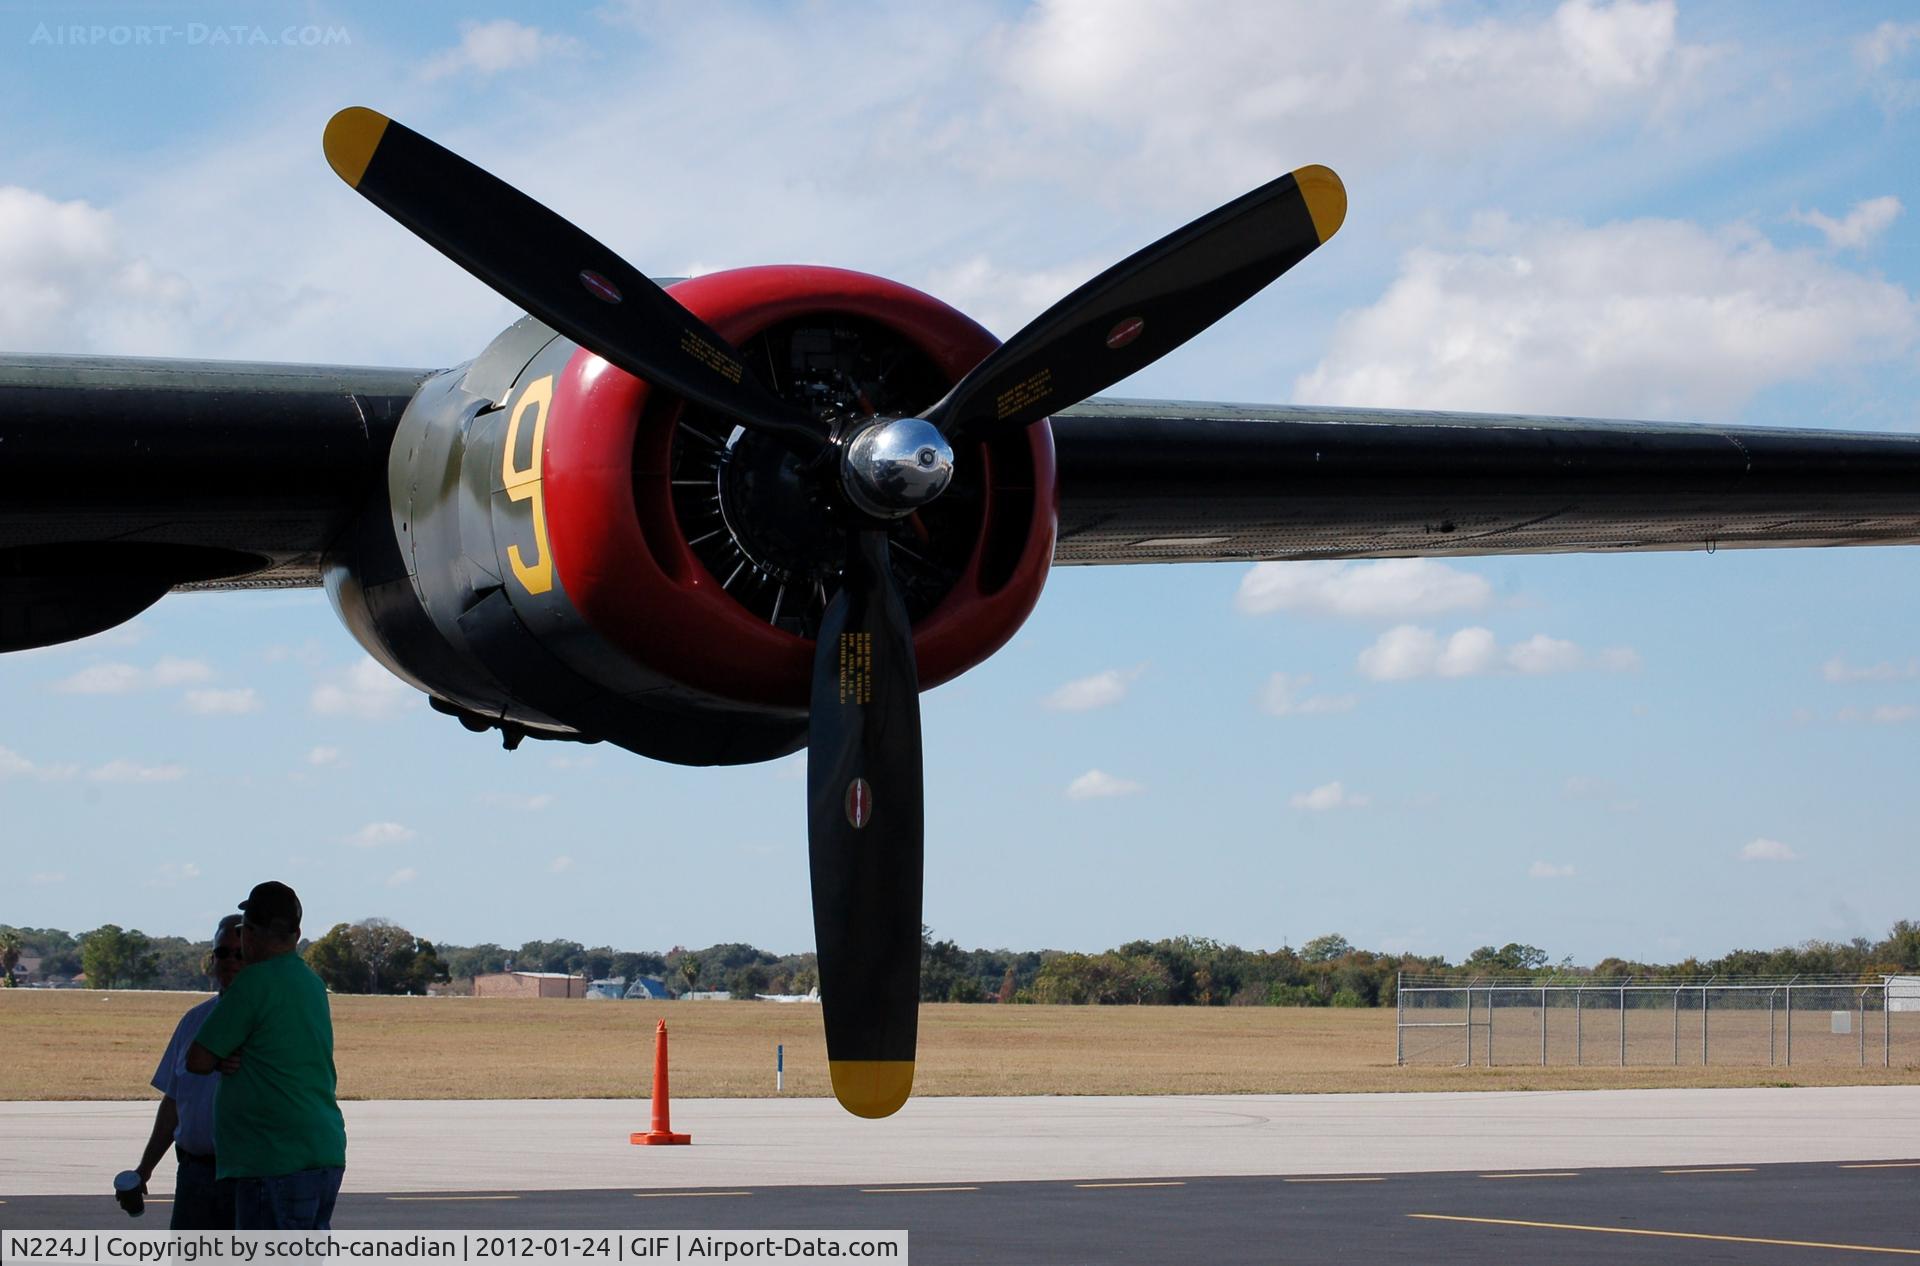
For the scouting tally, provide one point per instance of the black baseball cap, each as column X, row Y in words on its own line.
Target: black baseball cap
column 270, row 903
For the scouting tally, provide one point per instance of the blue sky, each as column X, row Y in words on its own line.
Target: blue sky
column 1692, row 211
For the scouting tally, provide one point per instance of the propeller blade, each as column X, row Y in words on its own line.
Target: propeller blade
column 552, row 269
column 864, row 832
column 1145, row 306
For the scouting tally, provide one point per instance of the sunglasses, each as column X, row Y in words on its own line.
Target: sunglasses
column 224, row 954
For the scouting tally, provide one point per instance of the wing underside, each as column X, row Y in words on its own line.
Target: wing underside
column 1157, row 482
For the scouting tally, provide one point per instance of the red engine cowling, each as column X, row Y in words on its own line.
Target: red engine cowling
column 623, row 557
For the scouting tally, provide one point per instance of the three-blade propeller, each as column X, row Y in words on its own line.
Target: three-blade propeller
column 865, row 811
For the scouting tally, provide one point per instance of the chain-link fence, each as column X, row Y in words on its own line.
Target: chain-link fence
column 1757, row 1021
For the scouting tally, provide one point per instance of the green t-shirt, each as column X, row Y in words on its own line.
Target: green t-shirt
column 277, row 1115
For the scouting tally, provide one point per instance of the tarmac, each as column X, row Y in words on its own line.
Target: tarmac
column 49, row 1149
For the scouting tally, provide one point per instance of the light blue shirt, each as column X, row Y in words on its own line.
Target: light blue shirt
column 192, row 1093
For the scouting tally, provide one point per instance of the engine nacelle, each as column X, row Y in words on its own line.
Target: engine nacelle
column 569, row 553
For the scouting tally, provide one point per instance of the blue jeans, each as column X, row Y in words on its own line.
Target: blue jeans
column 300, row 1201
column 201, row 1202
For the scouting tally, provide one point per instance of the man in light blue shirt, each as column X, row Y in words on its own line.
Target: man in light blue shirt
column 201, row 1202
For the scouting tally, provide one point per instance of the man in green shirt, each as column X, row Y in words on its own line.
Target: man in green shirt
column 277, row 1129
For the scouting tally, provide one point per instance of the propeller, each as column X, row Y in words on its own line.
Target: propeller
column 1145, row 306
column 539, row 260
column 865, row 801
column 865, row 814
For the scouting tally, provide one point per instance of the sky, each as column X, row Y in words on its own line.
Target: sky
column 1700, row 212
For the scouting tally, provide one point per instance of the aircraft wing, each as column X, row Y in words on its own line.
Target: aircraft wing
column 227, row 474
column 121, row 479
column 1159, row 482
column 207, row 473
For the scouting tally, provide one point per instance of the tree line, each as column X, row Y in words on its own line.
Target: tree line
column 379, row 956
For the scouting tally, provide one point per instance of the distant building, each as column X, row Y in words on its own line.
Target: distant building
column 643, row 988
column 529, row 984
column 706, row 995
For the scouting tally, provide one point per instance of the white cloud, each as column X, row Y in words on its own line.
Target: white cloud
column 561, row 864
column 1647, row 318
column 1004, row 299
column 1887, row 43
column 1766, row 850
column 379, row 834
column 1547, row 870
column 1095, row 785
column 1395, row 588
column 1408, row 651
column 405, row 875
column 40, row 878
column 1867, row 221
column 235, row 702
column 1878, row 52
column 1541, row 654
column 366, row 691
column 486, row 48
column 1838, row 669
column 1101, row 690
column 69, row 281
column 119, row 679
column 1283, row 696
column 1236, row 92
column 126, row 771
column 1328, row 796
column 324, row 756
column 14, row 765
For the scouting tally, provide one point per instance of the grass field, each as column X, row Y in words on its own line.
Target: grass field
column 77, row 1044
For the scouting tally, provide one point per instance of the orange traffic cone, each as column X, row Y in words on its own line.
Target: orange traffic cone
column 662, row 1131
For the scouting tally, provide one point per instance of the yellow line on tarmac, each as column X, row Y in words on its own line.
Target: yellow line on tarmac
column 1728, row 1169
column 908, row 1191
column 1886, row 1165
column 1094, row 1185
column 668, row 1195
column 1671, row 1235
column 1356, row 1179
column 425, row 1198
column 1538, row 1173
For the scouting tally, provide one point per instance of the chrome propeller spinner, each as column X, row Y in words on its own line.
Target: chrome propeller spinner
column 893, row 466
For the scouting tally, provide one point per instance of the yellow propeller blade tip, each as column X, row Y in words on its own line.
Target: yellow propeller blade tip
column 352, row 136
column 871, row 1087
column 1325, row 196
